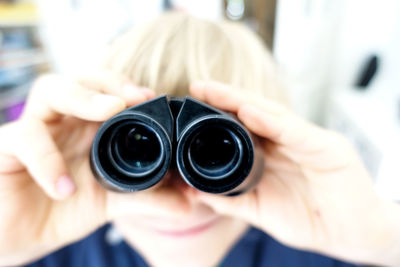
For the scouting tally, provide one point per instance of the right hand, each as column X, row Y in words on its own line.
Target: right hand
column 48, row 196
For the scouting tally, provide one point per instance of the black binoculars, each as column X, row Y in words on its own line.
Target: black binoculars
column 213, row 152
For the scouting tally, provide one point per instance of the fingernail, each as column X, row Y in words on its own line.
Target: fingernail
column 65, row 186
column 130, row 91
column 147, row 92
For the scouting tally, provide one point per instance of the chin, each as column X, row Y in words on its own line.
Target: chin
column 192, row 241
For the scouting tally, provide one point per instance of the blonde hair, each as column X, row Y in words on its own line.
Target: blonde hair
column 176, row 49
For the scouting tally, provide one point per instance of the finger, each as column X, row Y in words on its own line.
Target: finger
column 8, row 162
column 263, row 117
column 35, row 148
column 303, row 141
column 213, row 92
column 288, row 130
column 53, row 96
column 147, row 92
column 300, row 140
column 115, row 84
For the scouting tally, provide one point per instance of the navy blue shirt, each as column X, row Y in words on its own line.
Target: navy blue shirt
column 255, row 249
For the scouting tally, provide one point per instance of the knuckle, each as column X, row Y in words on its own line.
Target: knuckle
column 341, row 144
column 117, row 77
column 102, row 78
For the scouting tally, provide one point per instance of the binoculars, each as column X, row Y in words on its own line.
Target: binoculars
column 213, row 152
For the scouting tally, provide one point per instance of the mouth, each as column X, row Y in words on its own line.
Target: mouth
column 191, row 231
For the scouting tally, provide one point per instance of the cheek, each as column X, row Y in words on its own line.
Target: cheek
column 207, row 247
column 199, row 215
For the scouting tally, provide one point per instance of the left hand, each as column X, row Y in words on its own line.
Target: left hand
column 315, row 193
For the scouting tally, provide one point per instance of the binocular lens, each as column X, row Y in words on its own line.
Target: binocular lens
column 214, row 152
column 135, row 149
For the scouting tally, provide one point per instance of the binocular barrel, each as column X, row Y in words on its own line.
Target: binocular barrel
column 214, row 153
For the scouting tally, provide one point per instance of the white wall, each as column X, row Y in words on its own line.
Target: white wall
column 365, row 27
column 321, row 46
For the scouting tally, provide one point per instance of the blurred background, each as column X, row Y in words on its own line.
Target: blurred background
column 339, row 60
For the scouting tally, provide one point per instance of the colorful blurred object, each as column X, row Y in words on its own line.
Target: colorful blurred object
column 13, row 112
column 21, row 55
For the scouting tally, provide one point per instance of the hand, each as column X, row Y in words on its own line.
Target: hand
column 315, row 193
column 48, row 196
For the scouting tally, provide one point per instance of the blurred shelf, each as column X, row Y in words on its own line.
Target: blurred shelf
column 13, row 96
column 17, row 23
column 21, row 58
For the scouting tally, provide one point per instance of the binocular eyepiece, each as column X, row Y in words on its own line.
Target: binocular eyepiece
column 213, row 152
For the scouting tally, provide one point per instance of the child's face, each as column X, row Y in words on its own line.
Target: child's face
column 199, row 238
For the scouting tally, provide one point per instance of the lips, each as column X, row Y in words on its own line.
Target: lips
column 190, row 231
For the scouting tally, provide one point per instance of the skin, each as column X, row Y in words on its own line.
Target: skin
column 315, row 193
column 48, row 145
column 168, row 248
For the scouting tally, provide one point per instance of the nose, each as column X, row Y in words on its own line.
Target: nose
column 173, row 179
